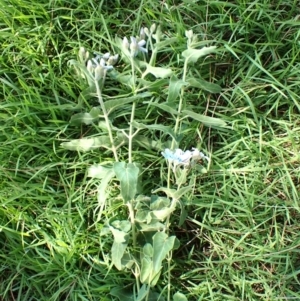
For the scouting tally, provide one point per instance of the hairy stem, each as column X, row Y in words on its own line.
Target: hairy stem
column 100, row 99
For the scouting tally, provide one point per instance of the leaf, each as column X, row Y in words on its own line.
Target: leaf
column 148, row 143
column 167, row 107
column 157, row 127
column 87, row 94
column 123, row 225
column 128, row 175
column 127, row 261
column 156, row 85
column 158, row 202
column 87, row 144
column 119, row 235
column 163, row 44
column 119, row 230
column 122, row 294
column 206, row 120
column 127, row 295
column 163, row 213
column 117, row 252
column 79, row 118
column 192, row 55
column 161, row 208
column 152, row 226
column 82, row 70
column 142, row 293
column 146, row 269
column 152, row 257
column 158, row 72
column 202, row 84
column 175, row 86
column 162, row 245
column 106, row 174
column 99, row 171
column 179, row 297
column 112, row 104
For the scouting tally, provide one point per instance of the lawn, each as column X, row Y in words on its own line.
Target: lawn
column 167, row 169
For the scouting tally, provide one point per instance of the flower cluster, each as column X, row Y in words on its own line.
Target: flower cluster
column 136, row 44
column 99, row 65
column 178, row 157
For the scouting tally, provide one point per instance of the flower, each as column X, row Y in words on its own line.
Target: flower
column 83, row 55
column 179, row 157
column 142, row 34
column 136, row 46
column 98, row 65
column 112, row 60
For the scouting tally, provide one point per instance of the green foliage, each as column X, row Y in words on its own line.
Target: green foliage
column 109, row 220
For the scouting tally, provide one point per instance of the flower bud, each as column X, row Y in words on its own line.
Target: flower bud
column 90, row 66
column 125, row 43
column 99, row 72
column 153, row 28
column 147, row 32
column 142, row 34
column 189, row 34
column 106, row 56
column 112, row 60
column 82, row 54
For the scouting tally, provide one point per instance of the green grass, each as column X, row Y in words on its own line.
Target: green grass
column 241, row 238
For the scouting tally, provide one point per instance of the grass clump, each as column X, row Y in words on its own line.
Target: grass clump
column 232, row 227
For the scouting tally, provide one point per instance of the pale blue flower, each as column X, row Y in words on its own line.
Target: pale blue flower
column 137, row 46
column 98, row 66
column 178, row 157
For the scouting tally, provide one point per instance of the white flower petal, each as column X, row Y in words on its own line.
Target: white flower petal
column 141, row 43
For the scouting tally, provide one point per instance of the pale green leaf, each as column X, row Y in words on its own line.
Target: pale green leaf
column 168, row 191
column 150, row 227
column 127, row 174
column 202, row 84
column 164, row 43
column 162, row 245
column 158, row 202
column 192, row 55
column 99, row 171
column 179, row 297
column 87, row 144
column 175, row 86
column 142, row 293
column 112, row 104
column 163, row 213
column 117, row 252
column 167, row 107
column 158, row 72
column 206, row 120
column 119, row 235
column 86, row 118
column 127, row 261
column 155, row 85
column 157, row 127
column 123, row 225
column 148, row 143
column 122, row 294
column 146, row 269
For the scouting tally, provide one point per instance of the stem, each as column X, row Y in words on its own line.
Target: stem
column 132, row 221
column 153, row 56
column 177, row 122
column 181, row 102
column 130, row 136
column 100, row 99
column 169, row 258
column 169, row 275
